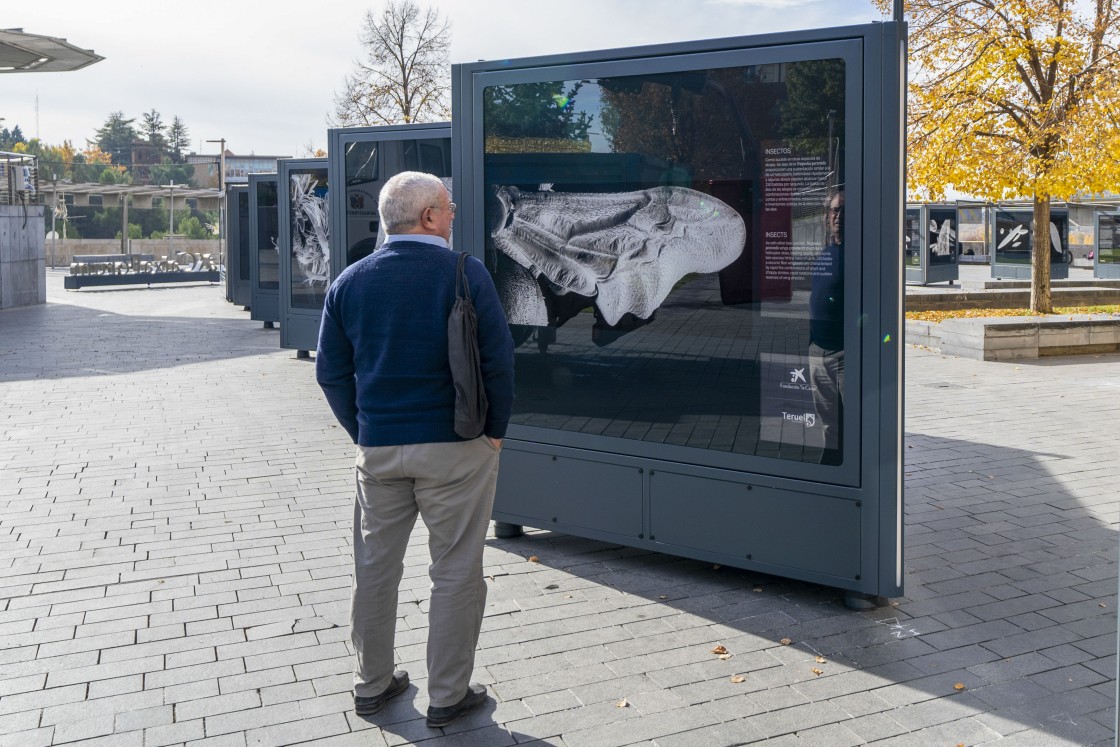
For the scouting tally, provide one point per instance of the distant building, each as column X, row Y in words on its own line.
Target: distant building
column 238, row 168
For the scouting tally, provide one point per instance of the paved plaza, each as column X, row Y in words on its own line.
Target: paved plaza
column 175, row 510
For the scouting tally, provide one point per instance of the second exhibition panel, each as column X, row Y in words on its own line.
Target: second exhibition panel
column 305, row 251
column 1012, row 235
column 931, row 246
column 1106, row 258
column 264, row 253
column 238, row 285
column 366, row 157
column 697, row 248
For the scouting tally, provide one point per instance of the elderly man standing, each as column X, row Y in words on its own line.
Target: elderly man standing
column 383, row 365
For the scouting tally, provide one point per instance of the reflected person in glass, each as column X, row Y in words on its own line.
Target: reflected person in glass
column 826, row 332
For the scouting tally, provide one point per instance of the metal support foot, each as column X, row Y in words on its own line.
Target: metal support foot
column 303, row 354
column 269, row 325
column 505, row 530
column 855, row 600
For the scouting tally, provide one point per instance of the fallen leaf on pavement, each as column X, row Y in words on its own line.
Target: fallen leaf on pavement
column 816, row 671
column 738, row 678
column 624, row 703
column 785, row 641
column 958, row 686
column 820, row 660
column 725, row 657
column 719, row 650
column 534, row 559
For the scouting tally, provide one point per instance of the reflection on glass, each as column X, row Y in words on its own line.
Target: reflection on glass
column 243, row 235
column 268, row 257
column 667, row 248
column 310, row 245
column 912, row 238
column 1108, row 239
column 369, row 163
column 1014, row 237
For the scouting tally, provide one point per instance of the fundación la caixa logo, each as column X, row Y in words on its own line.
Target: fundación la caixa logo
column 797, row 381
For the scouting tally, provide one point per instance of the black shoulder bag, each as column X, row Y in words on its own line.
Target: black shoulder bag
column 462, row 353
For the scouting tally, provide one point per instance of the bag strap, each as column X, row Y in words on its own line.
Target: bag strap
column 462, row 289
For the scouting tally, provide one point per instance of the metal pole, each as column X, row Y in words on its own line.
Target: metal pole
column 124, row 223
column 171, row 221
column 898, row 11
column 54, row 215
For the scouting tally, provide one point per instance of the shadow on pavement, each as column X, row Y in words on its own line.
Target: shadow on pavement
column 57, row 340
column 1009, row 621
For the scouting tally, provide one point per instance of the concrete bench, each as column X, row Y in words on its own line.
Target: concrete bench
column 1018, row 337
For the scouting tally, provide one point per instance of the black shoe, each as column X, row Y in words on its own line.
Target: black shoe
column 369, row 706
column 440, row 717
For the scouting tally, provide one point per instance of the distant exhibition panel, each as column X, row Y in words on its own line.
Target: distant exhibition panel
column 305, row 250
column 264, row 252
column 239, row 287
column 1012, row 235
column 931, row 244
column 697, row 248
column 365, row 158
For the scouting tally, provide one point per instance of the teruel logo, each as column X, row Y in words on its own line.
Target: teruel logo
column 808, row 419
column 796, row 375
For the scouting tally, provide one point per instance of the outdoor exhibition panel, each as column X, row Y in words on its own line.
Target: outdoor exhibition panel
column 930, row 244
column 366, row 157
column 697, row 248
column 305, row 254
column 239, row 287
column 1012, row 235
column 264, row 256
column 1106, row 257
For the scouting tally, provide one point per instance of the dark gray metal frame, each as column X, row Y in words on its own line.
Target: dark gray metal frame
column 264, row 303
column 337, row 141
column 1105, row 269
column 299, row 328
column 1001, row 270
column 238, row 288
column 660, row 497
column 926, row 273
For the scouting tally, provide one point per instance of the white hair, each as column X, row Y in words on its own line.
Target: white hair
column 405, row 197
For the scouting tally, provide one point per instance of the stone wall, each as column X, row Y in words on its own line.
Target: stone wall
column 23, row 274
column 59, row 252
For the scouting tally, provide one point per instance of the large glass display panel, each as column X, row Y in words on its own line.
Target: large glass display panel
column 268, row 254
column 1014, row 237
column 912, row 237
column 669, row 250
column 369, row 164
column 310, row 245
column 942, row 239
column 243, row 236
column 972, row 231
column 1108, row 239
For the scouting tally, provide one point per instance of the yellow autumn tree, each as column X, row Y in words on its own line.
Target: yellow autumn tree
column 1014, row 99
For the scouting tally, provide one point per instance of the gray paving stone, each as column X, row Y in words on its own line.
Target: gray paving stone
column 224, row 551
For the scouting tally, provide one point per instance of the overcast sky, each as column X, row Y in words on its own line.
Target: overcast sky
column 262, row 74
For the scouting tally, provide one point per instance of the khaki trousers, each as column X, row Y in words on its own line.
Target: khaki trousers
column 451, row 486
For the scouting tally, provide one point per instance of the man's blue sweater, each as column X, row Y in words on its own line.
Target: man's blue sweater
column 382, row 355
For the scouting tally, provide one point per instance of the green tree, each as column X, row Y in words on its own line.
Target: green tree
column 178, row 139
column 168, row 172
column 116, row 137
column 1014, row 99
column 153, row 128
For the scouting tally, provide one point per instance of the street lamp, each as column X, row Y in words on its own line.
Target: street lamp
column 222, row 198
column 171, row 215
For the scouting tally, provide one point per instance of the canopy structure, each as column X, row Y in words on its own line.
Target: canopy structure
column 32, row 53
column 208, row 199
